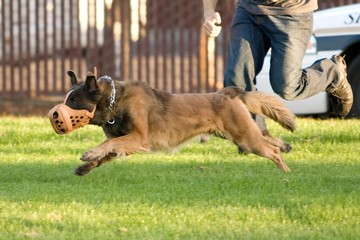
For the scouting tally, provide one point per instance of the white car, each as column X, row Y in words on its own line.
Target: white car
column 336, row 31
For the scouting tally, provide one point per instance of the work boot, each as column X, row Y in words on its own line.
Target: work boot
column 341, row 95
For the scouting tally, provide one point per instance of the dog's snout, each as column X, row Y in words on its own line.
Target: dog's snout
column 65, row 119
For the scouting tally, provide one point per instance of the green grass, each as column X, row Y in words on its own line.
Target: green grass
column 205, row 191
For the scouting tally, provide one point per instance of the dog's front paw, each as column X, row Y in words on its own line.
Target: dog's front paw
column 82, row 170
column 92, row 155
column 85, row 168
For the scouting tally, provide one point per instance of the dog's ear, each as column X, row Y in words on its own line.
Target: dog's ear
column 91, row 82
column 73, row 78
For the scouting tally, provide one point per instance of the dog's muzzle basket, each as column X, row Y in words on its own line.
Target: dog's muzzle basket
column 65, row 119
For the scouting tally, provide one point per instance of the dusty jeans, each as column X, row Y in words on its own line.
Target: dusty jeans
column 251, row 36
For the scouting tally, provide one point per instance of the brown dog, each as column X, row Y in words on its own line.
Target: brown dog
column 137, row 118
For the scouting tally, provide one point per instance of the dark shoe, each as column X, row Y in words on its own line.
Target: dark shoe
column 341, row 95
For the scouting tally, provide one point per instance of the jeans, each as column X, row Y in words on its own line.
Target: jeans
column 251, row 36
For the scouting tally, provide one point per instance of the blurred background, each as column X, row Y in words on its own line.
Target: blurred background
column 157, row 41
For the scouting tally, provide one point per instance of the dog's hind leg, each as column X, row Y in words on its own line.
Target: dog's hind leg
column 247, row 135
column 284, row 147
column 262, row 147
column 274, row 154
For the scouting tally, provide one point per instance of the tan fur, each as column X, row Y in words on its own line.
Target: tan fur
column 162, row 121
column 268, row 105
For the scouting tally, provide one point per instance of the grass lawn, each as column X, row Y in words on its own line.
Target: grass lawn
column 205, row 191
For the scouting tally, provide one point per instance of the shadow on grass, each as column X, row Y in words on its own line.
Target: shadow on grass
column 250, row 183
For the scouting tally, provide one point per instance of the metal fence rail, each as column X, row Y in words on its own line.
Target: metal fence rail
column 157, row 41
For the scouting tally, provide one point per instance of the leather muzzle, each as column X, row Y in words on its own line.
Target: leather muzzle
column 65, row 119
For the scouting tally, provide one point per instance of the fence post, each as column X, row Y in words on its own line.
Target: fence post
column 108, row 49
column 125, row 39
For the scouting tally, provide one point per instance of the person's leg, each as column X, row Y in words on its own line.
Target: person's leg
column 246, row 51
column 245, row 56
column 289, row 36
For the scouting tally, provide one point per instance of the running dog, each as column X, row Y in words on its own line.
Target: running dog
column 138, row 118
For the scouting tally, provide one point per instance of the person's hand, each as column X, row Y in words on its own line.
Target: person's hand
column 211, row 25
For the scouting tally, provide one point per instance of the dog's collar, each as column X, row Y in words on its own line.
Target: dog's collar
column 112, row 95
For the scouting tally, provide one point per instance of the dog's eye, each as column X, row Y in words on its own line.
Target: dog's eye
column 74, row 100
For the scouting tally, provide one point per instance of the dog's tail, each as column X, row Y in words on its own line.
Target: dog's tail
column 264, row 104
column 270, row 106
